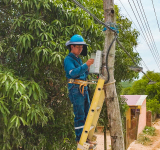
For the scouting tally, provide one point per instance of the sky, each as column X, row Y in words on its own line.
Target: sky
column 143, row 48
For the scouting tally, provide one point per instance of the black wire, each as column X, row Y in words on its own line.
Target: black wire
column 132, row 59
column 143, row 32
column 150, row 31
column 147, row 33
column 81, row 6
column 107, row 58
column 126, row 52
column 142, row 61
column 152, row 47
column 129, row 15
column 137, row 27
column 155, row 15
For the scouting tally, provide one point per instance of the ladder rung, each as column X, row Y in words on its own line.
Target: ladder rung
column 98, row 108
column 91, row 128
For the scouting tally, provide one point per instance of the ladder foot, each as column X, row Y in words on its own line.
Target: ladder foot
column 94, row 148
column 91, row 142
column 94, row 138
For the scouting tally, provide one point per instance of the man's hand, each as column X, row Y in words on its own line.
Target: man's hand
column 90, row 62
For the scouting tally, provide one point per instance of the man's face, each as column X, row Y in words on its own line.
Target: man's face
column 76, row 49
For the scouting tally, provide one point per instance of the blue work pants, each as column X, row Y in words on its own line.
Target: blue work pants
column 81, row 104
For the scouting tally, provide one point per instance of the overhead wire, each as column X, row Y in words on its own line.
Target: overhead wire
column 154, row 56
column 129, row 15
column 153, row 47
column 144, row 64
column 132, row 58
column 137, row 27
column 150, row 32
column 155, row 15
column 107, row 58
column 142, row 61
column 81, row 6
column 137, row 30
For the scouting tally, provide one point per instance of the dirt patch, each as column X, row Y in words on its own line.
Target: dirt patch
column 153, row 145
column 100, row 141
column 155, row 140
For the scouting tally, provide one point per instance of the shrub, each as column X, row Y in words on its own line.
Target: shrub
column 143, row 139
column 149, row 131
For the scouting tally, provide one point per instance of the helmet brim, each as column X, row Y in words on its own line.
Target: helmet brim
column 84, row 51
column 75, row 43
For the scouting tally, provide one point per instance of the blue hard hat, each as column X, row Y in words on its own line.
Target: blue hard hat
column 77, row 40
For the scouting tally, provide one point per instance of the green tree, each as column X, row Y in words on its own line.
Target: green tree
column 126, row 91
column 153, row 105
column 143, row 87
column 35, row 112
column 139, row 87
column 128, row 37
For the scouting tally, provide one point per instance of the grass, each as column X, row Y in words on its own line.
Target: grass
column 143, row 138
column 149, row 130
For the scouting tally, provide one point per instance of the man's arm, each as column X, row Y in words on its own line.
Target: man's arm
column 72, row 70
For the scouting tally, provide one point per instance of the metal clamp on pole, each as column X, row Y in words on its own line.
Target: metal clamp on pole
column 112, row 26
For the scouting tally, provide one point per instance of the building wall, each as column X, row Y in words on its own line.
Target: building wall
column 142, row 117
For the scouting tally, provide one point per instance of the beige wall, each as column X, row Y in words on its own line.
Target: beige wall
column 142, row 117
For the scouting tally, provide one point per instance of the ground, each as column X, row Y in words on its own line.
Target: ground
column 153, row 145
column 155, row 140
column 100, row 141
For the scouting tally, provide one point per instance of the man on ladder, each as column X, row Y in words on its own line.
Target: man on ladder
column 76, row 73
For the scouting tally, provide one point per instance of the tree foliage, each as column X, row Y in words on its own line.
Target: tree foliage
column 35, row 111
column 128, row 37
column 153, row 105
column 142, row 87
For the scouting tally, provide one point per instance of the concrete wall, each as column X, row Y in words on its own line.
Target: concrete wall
column 142, row 117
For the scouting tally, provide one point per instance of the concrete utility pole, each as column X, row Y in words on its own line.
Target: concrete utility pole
column 113, row 111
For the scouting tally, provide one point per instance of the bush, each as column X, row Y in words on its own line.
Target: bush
column 149, row 131
column 143, row 139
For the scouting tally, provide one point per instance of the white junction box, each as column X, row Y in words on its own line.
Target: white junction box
column 96, row 66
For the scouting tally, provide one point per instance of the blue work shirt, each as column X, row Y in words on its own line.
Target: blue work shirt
column 75, row 69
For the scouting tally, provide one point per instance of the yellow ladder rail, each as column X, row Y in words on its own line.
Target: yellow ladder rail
column 93, row 115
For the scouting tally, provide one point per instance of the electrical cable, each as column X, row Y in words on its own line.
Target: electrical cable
column 81, row 6
column 148, row 27
column 107, row 58
column 150, row 31
column 154, row 50
column 142, row 61
column 137, row 27
column 129, row 15
column 143, row 33
column 132, row 58
column 155, row 14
